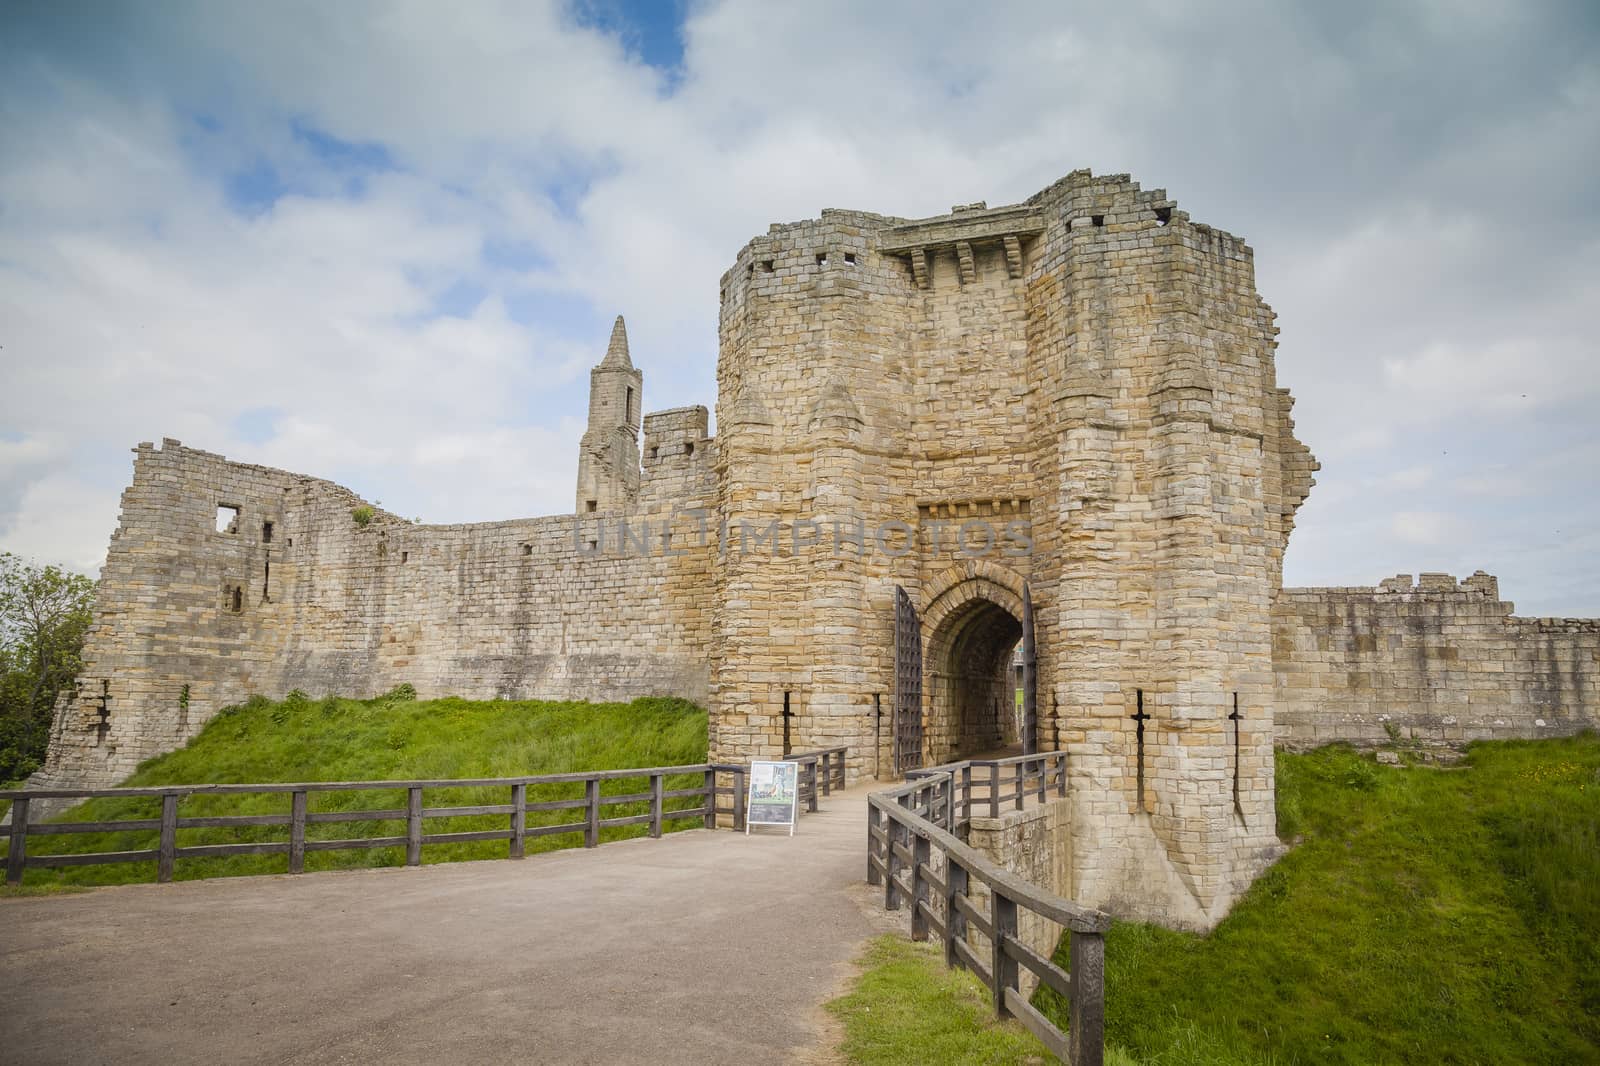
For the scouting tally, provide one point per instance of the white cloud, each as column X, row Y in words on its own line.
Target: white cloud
column 1423, row 527
column 1416, row 187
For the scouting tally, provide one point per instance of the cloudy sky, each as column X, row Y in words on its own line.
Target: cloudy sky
column 383, row 243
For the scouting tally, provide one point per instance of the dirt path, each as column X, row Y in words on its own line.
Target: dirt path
column 698, row 948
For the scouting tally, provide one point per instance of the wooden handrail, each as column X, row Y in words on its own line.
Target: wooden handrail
column 1008, row 780
column 167, row 851
column 355, row 786
column 832, row 775
column 905, row 824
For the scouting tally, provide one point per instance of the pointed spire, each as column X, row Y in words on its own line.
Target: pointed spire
column 617, row 351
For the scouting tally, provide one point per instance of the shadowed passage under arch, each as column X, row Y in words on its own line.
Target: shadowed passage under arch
column 972, row 695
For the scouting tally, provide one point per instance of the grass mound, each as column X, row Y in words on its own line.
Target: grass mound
column 906, row 1007
column 389, row 738
column 1426, row 916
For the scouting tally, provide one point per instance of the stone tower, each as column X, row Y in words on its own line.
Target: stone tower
column 1075, row 394
column 608, row 457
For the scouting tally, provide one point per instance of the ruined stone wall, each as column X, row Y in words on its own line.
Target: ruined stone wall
column 190, row 619
column 1438, row 663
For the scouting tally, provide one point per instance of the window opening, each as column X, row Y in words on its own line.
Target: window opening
column 787, row 716
column 1139, row 719
column 1237, row 721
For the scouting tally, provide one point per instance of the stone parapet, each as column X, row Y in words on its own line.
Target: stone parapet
column 1437, row 663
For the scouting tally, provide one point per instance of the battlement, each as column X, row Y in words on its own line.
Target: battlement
column 1432, row 585
column 1438, row 661
column 678, row 431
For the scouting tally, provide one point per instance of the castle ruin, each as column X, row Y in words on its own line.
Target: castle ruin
column 1061, row 414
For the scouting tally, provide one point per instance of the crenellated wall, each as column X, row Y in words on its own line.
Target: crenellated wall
column 1438, row 662
column 538, row 608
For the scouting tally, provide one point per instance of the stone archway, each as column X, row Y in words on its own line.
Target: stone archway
column 972, row 627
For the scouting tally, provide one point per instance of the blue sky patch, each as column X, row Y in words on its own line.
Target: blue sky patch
column 650, row 32
column 341, row 155
column 254, row 189
column 459, row 299
column 257, row 425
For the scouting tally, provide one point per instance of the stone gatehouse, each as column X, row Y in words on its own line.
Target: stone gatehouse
column 1071, row 400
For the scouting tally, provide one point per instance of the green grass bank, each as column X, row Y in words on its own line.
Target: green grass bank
column 1424, row 916
column 392, row 737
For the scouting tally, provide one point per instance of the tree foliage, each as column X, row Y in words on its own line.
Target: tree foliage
column 44, row 613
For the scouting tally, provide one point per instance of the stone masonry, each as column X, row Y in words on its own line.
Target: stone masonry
column 1433, row 664
column 1075, row 394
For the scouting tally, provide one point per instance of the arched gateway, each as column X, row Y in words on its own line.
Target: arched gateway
column 972, row 628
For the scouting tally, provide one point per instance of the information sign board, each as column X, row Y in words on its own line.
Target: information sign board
column 774, row 795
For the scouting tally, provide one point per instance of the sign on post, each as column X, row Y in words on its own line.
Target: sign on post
column 774, row 795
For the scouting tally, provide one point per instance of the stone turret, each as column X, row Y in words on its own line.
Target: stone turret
column 608, row 457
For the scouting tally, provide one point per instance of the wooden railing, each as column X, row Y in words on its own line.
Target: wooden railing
column 299, row 816
column 983, row 786
column 906, row 826
column 822, row 769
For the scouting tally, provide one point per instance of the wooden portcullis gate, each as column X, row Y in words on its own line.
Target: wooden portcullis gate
column 907, row 684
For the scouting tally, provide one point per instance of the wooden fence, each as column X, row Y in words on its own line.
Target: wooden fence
column 908, row 824
column 516, row 810
column 983, row 786
column 822, row 770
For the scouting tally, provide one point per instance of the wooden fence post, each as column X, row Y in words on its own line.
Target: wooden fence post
column 297, row 832
column 1003, row 968
column 655, row 804
column 519, row 820
column 1022, row 778
column 891, row 863
column 17, row 857
column 1086, row 1037
column 955, row 923
column 414, row 826
column 994, row 790
column 168, row 849
column 811, row 776
column 739, row 797
column 711, row 799
column 591, row 820
column 1061, row 774
column 921, row 855
column 874, row 821
column 966, row 794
